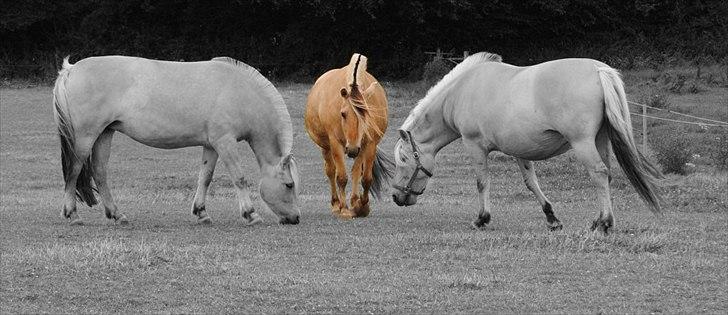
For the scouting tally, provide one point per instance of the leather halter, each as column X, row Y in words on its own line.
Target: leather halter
column 407, row 190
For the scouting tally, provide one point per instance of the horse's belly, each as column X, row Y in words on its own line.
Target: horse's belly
column 534, row 147
column 161, row 135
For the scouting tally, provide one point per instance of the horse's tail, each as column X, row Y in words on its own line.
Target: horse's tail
column 84, row 187
column 641, row 173
column 381, row 172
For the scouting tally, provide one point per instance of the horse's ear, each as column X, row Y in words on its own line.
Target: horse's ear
column 370, row 90
column 344, row 92
column 403, row 134
column 286, row 161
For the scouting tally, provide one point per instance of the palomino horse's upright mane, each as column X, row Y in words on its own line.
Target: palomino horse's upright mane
column 436, row 90
column 285, row 137
column 357, row 65
column 354, row 73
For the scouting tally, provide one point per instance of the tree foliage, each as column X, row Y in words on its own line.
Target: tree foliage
column 305, row 37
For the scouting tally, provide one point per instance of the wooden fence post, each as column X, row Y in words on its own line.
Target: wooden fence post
column 644, row 128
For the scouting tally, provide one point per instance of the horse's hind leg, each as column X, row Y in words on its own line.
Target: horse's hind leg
column 602, row 143
column 82, row 151
column 586, row 151
column 231, row 155
column 100, row 158
column 529, row 178
column 207, row 168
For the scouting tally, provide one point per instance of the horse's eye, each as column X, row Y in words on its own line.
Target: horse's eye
column 343, row 114
column 289, row 185
column 415, row 155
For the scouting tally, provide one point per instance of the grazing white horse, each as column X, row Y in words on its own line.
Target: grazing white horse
column 213, row 104
column 531, row 113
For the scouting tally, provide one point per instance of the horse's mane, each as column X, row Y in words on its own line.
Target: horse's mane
column 285, row 137
column 437, row 89
column 355, row 77
column 357, row 66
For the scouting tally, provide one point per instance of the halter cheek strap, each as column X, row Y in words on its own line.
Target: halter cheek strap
column 407, row 190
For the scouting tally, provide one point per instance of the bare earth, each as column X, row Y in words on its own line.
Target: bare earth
column 423, row 258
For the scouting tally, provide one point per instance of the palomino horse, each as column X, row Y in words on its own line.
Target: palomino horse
column 342, row 119
column 531, row 113
column 213, row 104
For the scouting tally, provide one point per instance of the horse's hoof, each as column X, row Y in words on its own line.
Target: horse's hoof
column 204, row 220
column 335, row 209
column 121, row 220
column 253, row 219
column 601, row 225
column 555, row 226
column 76, row 221
column 345, row 214
column 481, row 221
column 478, row 225
column 360, row 208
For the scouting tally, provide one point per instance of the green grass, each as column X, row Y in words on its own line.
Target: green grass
column 423, row 258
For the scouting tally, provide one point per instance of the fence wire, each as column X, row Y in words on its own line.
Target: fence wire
column 714, row 123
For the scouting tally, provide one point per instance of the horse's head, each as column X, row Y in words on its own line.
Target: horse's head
column 355, row 116
column 279, row 188
column 414, row 169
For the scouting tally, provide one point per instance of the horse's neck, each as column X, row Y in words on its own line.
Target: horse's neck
column 431, row 130
column 266, row 150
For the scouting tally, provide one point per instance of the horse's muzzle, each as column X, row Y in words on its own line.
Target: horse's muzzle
column 352, row 152
column 406, row 200
column 289, row 220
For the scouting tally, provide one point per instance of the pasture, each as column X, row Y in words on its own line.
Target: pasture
column 424, row 258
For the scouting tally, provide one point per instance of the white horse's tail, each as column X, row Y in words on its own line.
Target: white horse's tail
column 84, row 186
column 641, row 173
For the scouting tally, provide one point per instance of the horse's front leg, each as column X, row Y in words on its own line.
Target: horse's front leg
column 231, row 155
column 361, row 171
column 482, row 184
column 337, row 155
column 207, row 168
column 529, row 178
column 330, row 170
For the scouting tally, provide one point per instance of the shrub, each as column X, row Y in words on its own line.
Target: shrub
column 672, row 151
column 435, row 70
column 678, row 83
column 658, row 100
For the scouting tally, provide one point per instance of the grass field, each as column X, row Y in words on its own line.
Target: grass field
column 423, row 258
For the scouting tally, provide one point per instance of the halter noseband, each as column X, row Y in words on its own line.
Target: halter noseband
column 407, row 190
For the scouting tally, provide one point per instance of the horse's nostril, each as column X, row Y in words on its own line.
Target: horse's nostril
column 396, row 201
column 352, row 152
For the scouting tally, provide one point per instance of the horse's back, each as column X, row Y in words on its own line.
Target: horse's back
column 324, row 101
column 163, row 104
column 540, row 105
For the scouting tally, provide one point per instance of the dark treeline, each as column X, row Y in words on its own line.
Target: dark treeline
column 289, row 38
